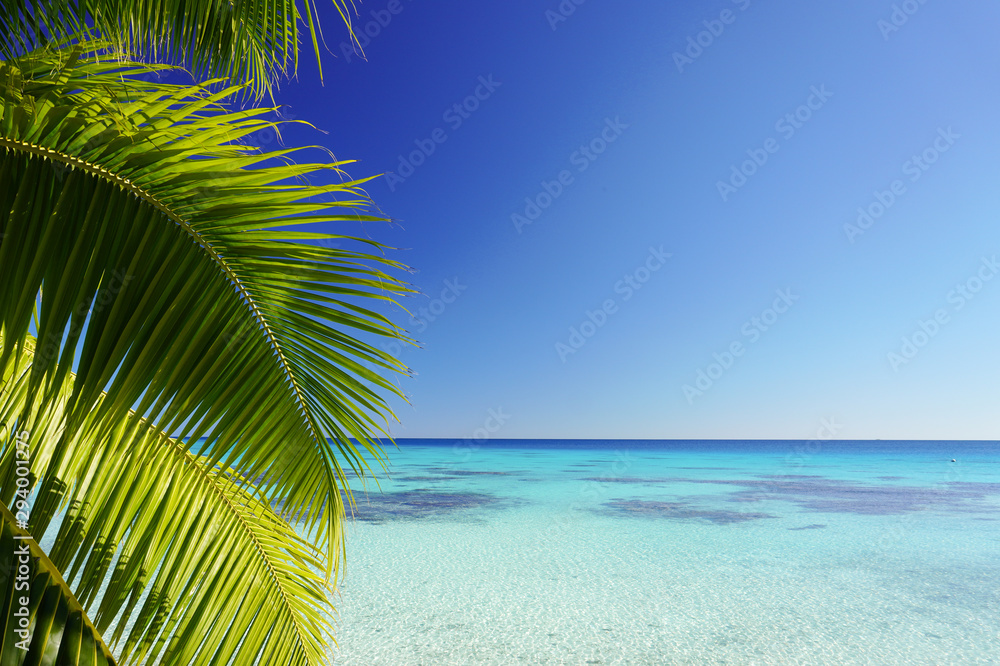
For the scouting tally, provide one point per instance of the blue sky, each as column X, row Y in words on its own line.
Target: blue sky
column 832, row 104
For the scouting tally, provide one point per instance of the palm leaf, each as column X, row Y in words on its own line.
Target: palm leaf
column 168, row 278
column 180, row 561
column 184, row 561
column 58, row 630
column 251, row 41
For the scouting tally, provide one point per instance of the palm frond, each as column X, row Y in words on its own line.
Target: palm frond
column 170, row 281
column 55, row 627
column 180, row 561
column 253, row 41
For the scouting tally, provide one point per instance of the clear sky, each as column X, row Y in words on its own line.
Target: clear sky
column 592, row 139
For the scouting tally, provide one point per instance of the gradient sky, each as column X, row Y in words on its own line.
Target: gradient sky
column 887, row 95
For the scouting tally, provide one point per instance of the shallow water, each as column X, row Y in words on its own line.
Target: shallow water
column 677, row 552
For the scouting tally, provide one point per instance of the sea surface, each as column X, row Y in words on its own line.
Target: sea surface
column 675, row 552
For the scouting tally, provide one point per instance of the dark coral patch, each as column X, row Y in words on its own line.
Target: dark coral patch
column 627, row 479
column 712, row 469
column 679, row 511
column 818, row 493
column 451, row 471
column 410, row 479
column 449, row 475
column 794, row 476
column 814, row 526
column 835, row 496
column 418, row 504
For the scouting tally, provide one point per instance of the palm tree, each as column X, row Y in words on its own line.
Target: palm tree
column 185, row 374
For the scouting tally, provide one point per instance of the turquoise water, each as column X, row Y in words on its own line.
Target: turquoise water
column 626, row 552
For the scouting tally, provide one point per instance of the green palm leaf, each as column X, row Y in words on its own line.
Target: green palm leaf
column 204, row 568
column 156, row 251
column 60, row 632
column 251, row 41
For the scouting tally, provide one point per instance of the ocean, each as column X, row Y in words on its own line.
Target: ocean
column 675, row 552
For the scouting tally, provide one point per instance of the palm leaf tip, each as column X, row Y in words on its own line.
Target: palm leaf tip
column 253, row 42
